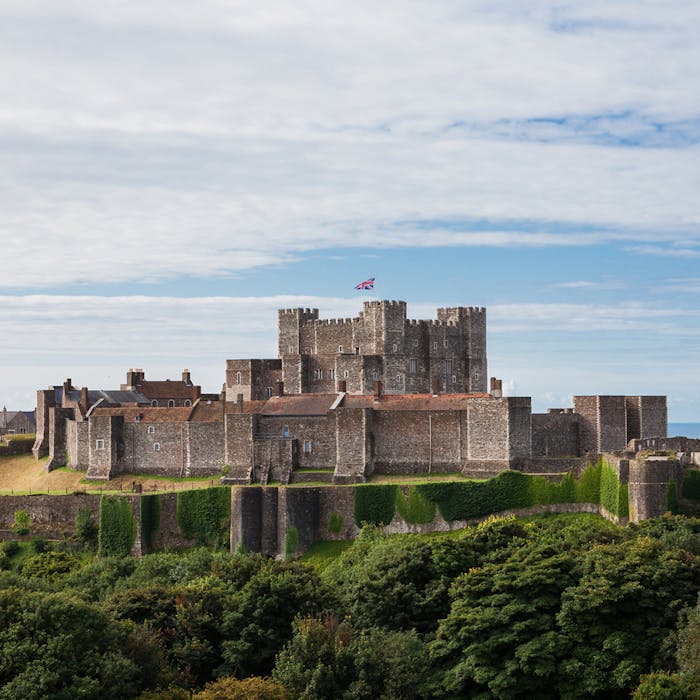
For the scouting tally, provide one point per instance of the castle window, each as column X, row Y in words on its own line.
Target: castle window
column 399, row 379
column 340, row 348
column 154, row 402
column 151, row 430
column 413, row 366
column 238, row 377
column 445, row 343
column 156, row 447
column 454, row 378
column 346, row 374
column 290, row 350
column 434, row 344
column 171, row 403
column 448, row 366
column 375, row 376
column 318, row 374
column 394, row 347
column 357, row 351
column 188, row 402
column 137, row 419
column 307, row 447
column 285, row 431
column 331, row 374
column 99, row 444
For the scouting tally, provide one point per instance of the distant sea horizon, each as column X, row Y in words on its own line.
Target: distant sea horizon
column 690, row 430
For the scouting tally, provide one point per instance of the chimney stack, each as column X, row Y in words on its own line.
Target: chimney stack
column 377, row 390
column 280, row 388
column 84, row 399
column 239, row 403
column 496, row 388
column 186, row 377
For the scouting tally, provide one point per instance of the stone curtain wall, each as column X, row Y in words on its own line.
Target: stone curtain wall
column 555, row 434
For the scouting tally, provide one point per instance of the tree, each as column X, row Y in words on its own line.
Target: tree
column 617, row 616
column 500, row 638
column 53, row 646
column 252, row 688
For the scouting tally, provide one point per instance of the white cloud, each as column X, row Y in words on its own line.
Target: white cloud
column 147, row 139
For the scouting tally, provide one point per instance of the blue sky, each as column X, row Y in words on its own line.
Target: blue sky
column 171, row 174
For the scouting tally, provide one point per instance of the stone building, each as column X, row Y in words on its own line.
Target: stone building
column 17, row 422
column 344, row 399
column 445, row 355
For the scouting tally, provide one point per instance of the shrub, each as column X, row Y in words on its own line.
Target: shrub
column 23, row 523
column 10, row 548
column 39, row 544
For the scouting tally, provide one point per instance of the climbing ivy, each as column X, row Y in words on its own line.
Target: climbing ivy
column 374, row 504
column 117, row 530
column 151, row 508
column 205, row 514
column 414, row 507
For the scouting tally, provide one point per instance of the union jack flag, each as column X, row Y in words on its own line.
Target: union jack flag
column 367, row 284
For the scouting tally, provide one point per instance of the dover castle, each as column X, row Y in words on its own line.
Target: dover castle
column 344, row 398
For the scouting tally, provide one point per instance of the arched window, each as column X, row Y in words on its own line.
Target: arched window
column 154, row 402
column 238, row 377
column 188, row 402
column 171, row 403
column 151, row 430
column 156, row 447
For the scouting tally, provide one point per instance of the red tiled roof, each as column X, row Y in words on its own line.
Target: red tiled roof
column 147, row 414
column 167, row 389
column 299, row 405
column 248, row 406
column 412, row 402
column 205, row 412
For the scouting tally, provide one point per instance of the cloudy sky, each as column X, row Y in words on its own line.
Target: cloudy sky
column 173, row 172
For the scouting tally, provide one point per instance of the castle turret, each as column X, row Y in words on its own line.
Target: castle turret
column 289, row 326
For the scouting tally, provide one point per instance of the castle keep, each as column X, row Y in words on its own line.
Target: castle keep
column 345, row 398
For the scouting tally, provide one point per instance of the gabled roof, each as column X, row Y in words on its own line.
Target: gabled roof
column 299, row 405
column 147, row 414
column 168, row 389
column 412, row 402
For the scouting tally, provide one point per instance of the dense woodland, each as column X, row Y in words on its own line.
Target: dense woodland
column 558, row 606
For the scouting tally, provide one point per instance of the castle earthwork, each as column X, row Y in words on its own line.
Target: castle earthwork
column 345, row 398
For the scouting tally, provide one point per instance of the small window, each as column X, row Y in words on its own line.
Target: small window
column 477, row 376
column 331, row 374
column 268, row 391
column 156, row 447
column 154, row 402
column 448, row 366
column 346, row 374
column 285, row 431
column 435, row 345
column 290, row 350
column 318, row 374
column 445, row 343
column 394, row 347
column 188, row 402
column 399, row 379
column 171, row 403
column 415, row 343
column 137, row 419
column 413, row 366
column 238, row 377
column 340, row 348
column 454, row 378
column 375, row 376
column 99, row 444
column 307, row 447
column 151, row 430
